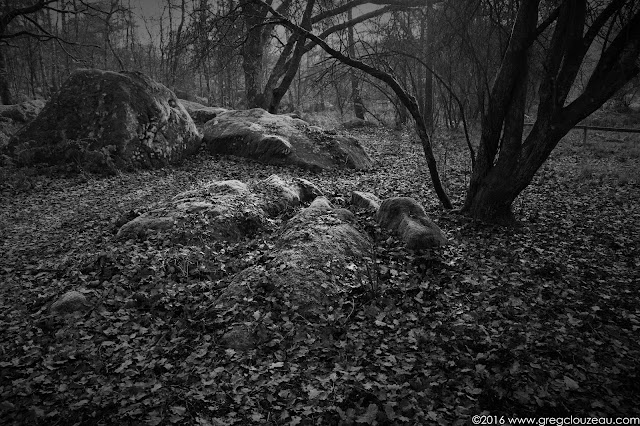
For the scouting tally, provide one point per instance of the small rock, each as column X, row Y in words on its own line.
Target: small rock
column 125, row 218
column 277, row 195
column 321, row 203
column 71, row 301
column 407, row 218
column 239, row 338
column 365, row 200
column 308, row 191
column 357, row 123
column 141, row 225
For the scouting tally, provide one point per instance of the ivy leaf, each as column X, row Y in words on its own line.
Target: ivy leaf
column 313, row 392
column 369, row 416
column 571, row 384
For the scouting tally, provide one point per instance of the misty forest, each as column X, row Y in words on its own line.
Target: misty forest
column 319, row 212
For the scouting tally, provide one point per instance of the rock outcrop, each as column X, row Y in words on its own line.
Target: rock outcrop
column 408, row 219
column 104, row 121
column 318, row 254
column 281, row 139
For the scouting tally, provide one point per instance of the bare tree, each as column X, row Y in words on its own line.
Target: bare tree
column 405, row 98
column 9, row 14
column 266, row 90
column 506, row 163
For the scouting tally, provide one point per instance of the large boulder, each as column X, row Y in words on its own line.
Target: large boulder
column 318, row 254
column 104, row 121
column 221, row 210
column 408, row 219
column 281, row 139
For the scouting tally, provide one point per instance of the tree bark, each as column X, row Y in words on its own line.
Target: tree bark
column 427, row 107
column 356, row 98
column 488, row 197
column 253, row 53
column 5, row 90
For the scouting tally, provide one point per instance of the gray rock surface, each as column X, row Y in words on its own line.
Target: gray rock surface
column 318, row 254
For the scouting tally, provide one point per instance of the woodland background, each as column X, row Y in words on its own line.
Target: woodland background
column 537, row 319
column 200, row 48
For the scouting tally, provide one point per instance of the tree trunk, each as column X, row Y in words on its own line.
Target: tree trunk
column 491, row 200
column 252, row 67
column 5, row 90
column 253, row 53
column 358, row 105
column 491, row 189
column 427, row 108
column 402, row 116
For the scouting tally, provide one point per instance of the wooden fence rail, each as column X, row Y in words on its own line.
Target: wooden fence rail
column 601, row 128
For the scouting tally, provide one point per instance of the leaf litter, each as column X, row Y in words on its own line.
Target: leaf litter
column 537, row 320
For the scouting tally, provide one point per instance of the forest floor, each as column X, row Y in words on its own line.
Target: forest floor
column 537, row 320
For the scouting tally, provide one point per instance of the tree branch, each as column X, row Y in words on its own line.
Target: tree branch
column 408, row 100
column 455, row 97
column 402, row 4
column 14, row 13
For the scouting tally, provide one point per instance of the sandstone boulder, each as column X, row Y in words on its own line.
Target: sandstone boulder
column 318, row 254
column 365, row 200
column 408, row 219
column 104, row 121
column 281, row 139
